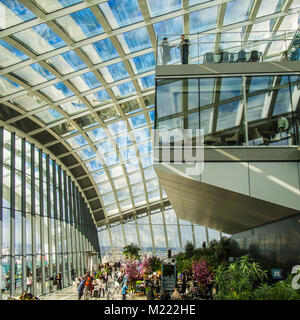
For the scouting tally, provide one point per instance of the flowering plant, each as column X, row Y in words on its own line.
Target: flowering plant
column 202, row 274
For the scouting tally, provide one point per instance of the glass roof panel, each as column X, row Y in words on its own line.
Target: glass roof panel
column 237, row 11
column 132, row 166
column 158, row 7
column 109, row 114
column 99, row 98
column 116, row 171
column 111, row 159
column 108, row 199
column 130, row 107
column 66, row 62
column 14, row 13
column 139, row 201
column 137, row 121
column 128, row 154
column 126, row 205
column 54, row 5
column 114, row 72
column 34, row 74
column 120, row 183
column 124, row 89
column 86, row 154
column 8, row 87
column 104, row 187
column 105, row 147
column 265, row 8
column 137, row 189
column 149, row 174
column 73, row 107
column 203, row 20
column 77, row 141
column 100, row 51
column 123, row 194
column 40, row 39
column 117, row 128
column 85, row 82
column 154, row 196
column 48, row 116
column 97, row 134
column 111, row 209
column 135, row 40
column 94, row 165
column 28, row 102
column 9, row 55
column 123, row 141
column 57, row 92
column 100, row 176
column 80, row 25
column 146, row 82
column 143, row 63
column 121, row 13
column 135, row 178
column 169, row 27
column 142, row 135
column 152, row 185
column 147, row 161
column 145, row 148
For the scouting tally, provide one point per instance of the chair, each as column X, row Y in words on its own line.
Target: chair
column 224, row 57
column 242, row 56
column 254, row 56
column 209, row 57
column 212, row 140
column 234, row 139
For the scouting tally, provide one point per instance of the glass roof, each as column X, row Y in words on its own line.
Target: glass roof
column 85, row 71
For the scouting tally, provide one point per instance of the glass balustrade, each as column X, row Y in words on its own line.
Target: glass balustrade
column 228, row 47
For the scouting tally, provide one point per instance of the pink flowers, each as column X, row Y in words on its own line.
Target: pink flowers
column 131, row 270
column 201, row 273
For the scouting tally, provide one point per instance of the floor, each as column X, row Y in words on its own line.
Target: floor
column 71, row 293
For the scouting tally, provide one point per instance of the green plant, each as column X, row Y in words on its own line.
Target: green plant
column 131, row 252
column 155, row 264
column 281, row 290
column 189, row 249
column 238, row 279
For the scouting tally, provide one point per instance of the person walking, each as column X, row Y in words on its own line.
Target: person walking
column 166, row 55
column 124, row 290
column 184, row 49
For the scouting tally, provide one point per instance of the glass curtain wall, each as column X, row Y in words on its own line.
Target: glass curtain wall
column 232, row 111
column 154, row 232
column 45, row 225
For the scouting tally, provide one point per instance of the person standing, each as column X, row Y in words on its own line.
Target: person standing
column 166, row 56
column 29, row 282
column 58, row 281
column 80, row 288
column 184, row 49
column 124, row 290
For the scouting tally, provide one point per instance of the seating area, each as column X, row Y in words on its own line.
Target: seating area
column 232, row 57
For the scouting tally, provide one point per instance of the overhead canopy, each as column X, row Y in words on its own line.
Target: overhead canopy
column 77, row 77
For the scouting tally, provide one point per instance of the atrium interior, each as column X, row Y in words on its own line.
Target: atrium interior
column 85, row 85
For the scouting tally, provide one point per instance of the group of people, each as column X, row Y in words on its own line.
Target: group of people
column 183, row 47
column 97, row 283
